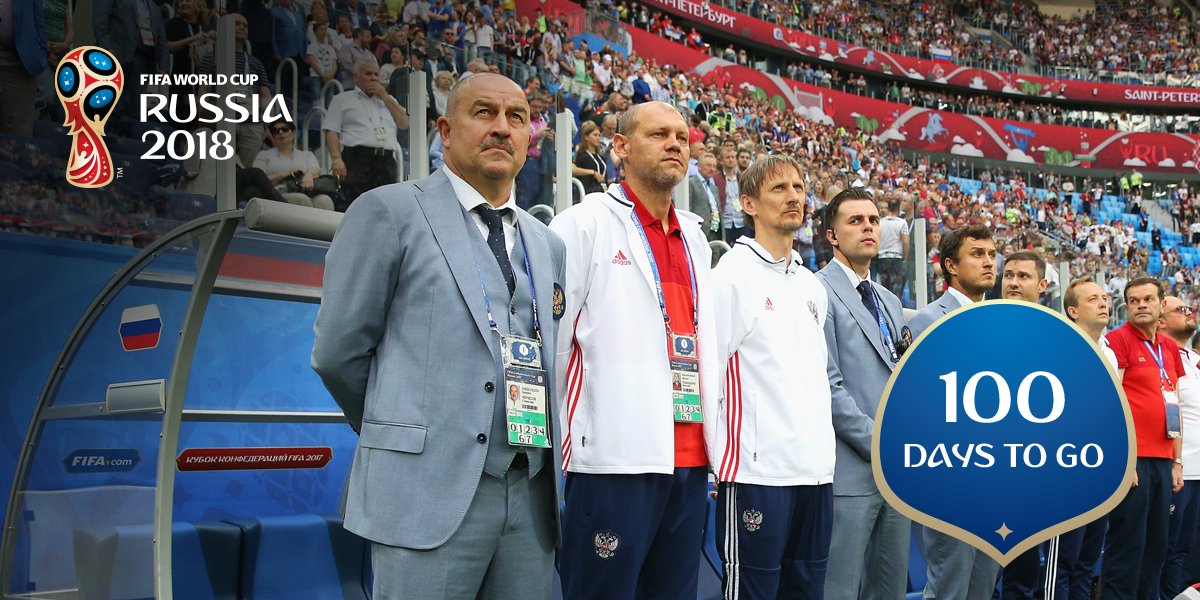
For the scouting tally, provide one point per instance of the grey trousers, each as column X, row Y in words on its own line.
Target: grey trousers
column 503, row 549
column 869, row 550
column 957, row 571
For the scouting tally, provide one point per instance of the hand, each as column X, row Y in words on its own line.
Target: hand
column 1176, row 477
column 339, row 168
column 306, row 182
column 1135, row 479
column 375, row 89
column 713, row 493
column 548, row 134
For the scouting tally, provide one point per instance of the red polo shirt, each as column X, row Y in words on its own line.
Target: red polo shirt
column 1143, row 386
column 672, row 261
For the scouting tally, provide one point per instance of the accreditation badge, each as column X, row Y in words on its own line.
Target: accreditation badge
column 525, row 385
column 1171, row 403
column 381, row 134
column 685, row 379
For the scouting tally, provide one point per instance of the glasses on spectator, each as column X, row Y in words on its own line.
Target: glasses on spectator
column 1185, row 310
column 282, row 128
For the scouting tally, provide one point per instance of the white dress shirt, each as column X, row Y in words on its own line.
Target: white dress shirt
column 470, row 198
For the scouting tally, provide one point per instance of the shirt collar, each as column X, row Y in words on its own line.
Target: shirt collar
column 962, row 298
column 1158, row 339
column 854, row 278
column 469, row 197
column 788, row 264
column 648, row 220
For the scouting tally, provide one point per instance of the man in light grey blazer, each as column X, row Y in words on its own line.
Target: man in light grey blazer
column 868, row 557
column 702, row 194
column 956, row 570
column 433, row 308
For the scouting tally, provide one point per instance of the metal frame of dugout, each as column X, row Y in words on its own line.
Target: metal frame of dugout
column 102, row 450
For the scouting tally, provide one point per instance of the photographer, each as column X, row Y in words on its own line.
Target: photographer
column 294, row 173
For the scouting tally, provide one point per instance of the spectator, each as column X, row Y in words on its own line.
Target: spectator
column 293, row 172
column 353, row 54
column 360, row 133
column 588, row 167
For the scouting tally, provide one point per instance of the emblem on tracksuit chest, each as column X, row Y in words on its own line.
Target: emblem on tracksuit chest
column 752, row 520
column 606, row 543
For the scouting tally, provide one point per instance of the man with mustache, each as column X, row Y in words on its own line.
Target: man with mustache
column 639, row 311
column 1149, row 368
column 436, row 335
column 957, row 571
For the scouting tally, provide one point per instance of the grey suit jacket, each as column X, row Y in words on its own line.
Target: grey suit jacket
column 944, row 305
column 403, row 345
column 859, row 367
column 114, row 23
column 698, row 203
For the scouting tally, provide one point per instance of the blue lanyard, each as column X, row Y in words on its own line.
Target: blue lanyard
column 883, row 326
column 1162, row 370
column 487, row 303
column 662, row 299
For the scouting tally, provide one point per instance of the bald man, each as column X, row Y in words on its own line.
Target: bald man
column 436, row 336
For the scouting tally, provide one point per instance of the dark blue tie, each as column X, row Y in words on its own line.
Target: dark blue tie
column 868, row 299
column 495, row 240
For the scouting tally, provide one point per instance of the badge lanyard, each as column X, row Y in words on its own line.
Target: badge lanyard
column 662, row 299
column 487, row 303
column 1162, row 370
column 883, row 326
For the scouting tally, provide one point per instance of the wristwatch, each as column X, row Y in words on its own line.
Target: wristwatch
column 1179, row 461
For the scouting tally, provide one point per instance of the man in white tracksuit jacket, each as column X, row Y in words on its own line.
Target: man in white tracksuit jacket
column 776, row 442
column 640, row 388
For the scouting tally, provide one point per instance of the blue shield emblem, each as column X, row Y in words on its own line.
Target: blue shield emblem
column 1003, row 426
column 684, row 346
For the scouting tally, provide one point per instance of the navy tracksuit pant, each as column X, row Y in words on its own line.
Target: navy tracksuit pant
column 633, row 536
column 774, row 541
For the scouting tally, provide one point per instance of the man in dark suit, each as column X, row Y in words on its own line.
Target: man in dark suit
column 133, row 31
column 968, row 259
column 865, row 332
column 439, row 296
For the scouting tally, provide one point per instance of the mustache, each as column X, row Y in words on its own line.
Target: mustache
column 498, row 142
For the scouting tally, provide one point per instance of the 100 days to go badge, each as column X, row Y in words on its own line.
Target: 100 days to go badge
column 1003, row 426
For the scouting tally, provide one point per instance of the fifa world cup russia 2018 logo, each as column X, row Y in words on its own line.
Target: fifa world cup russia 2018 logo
column 89, row 82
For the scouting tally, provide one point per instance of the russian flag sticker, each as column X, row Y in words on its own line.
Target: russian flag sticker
column 141, row 327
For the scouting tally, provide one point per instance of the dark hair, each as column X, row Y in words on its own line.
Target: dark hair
column 951, row 242
column 835, row 204
column 1028, row 256
column 1144, row 280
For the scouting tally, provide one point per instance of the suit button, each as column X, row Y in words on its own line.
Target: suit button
column 481, row 438
column 512, row 310
column 489, row 387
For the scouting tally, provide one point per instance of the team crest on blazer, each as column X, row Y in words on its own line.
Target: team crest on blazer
column 752, row 520
column 558, row 303
column 1003, row 441
column 606, row 543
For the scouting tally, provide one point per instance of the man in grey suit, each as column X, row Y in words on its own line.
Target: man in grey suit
column 865, row 331
column 702, row 195
column 434, row 306
column 956, row 570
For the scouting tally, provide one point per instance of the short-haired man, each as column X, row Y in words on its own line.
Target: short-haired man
column 1149, row 368
column 893, row 249
column 957, row 570
column 775, row 499
column 703, row 198
column 455, row 502
column 866, row 335
column 1178, row 321
column 1076, row 552
column 639, row 304
column 360, row 133
column 1024, row 279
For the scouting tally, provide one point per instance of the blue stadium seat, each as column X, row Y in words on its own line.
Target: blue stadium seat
column 115, row 562
column 332, row 563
